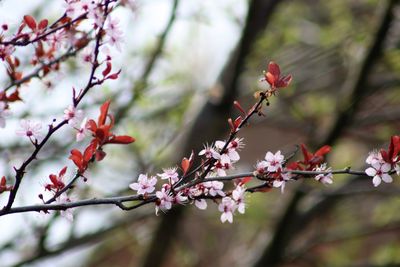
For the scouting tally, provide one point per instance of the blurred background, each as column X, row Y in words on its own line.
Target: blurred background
column 183, row 63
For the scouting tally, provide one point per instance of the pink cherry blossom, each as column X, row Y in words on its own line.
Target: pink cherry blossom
column 30, row 129
column 165, row 200
column 374, row 157
column 214, row 188
column 261, row 167
column 274, row 161
column 231, row 150
column 379, row 172
column 282, row 180
column 227, row 207
column 325, row 178
column 73, row 115
column 96, row 14
column 144, row 184
column 58, row 39
column 201, row 204
column 5, row 51
column 114, row 35
column 180, row 198
column 82, row 131
column 170, row 174
column 88, row 54
column 68, row 213
column 238, row 195
column 209, row 152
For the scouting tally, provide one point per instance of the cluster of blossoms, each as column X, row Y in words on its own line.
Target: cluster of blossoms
column 56, row 42
column 167, row 196
column 187, row 184
column 278, row 172
column 384, row 161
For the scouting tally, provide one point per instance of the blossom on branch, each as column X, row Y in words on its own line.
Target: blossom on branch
column 30, row 129
column 164, row 200
column 170, row 174
column 239, row 196
column 281, row 178
column 72, row 115
column 274, row 162
column 227, row 207
column 379, row 172
column 144, row 184
column 325, row 178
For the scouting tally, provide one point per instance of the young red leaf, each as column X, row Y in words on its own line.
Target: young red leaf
column 323, row 150
column 122, row 139
column 107, row 70
column 237, row 122
column 30, row 21
column 239, row 107
column 307, row 155
column 43, row 24
column 114, row 75
column 103, row 113
column 185, row 164
column 245, row 180
column 63, row 171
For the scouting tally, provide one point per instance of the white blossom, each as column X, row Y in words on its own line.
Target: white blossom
column 379, row 172
column 30, row 129
column 274, row 161
column 325, row 178
column 170, row 174
column 238, row 195
column 144, row 184
column 227, row 207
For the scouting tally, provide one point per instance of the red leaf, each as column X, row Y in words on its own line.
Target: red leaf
column 14, row 97
column 322, row 151
column 3, row 181
column 91, row 125
column 43, row 24
column 307, row 155
column 30, row 21
column 114, row 75
column 89, row 151
column 63, row 171
column 185, row 164
column 284, row 82
column 53, row 179
column 274, row 69
column 103, row 113
column 122, row 139
column 239, row 107
column 107, row 70
column 77, row 158
column 237, row 122
column 245, row 180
